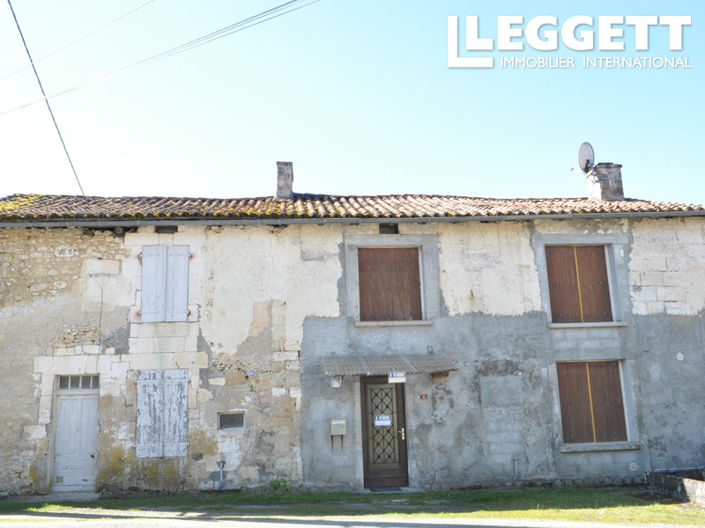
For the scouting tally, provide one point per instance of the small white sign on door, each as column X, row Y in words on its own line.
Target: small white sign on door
column 383, row 420
column 396, row 377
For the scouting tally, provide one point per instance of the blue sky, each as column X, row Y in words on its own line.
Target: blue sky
column 356, row 93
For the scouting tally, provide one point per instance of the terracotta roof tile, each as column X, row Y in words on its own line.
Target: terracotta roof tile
column 38, row 207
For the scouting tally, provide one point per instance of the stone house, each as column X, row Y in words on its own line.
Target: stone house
column 348, row 341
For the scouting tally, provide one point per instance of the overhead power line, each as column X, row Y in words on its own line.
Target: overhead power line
column 63, row 144
column 78, row 39
column 246, row 23
column 236, row 27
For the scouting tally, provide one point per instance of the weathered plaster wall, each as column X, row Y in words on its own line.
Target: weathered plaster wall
column 260, row 284
column 666, row 270
column 484, row 420
column 245, row 266
column 250, row 289
column 488, row 269
column 71, row 305
column 498, row 418
column 669, row 375
column 266, row 303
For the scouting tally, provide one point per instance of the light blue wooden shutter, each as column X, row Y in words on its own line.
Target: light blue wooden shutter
column 177, row 283
column 162, row 413
column 175, row 413
column 149, row 431
column 154, row 277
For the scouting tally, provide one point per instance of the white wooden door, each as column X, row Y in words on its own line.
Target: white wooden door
column 76, row 442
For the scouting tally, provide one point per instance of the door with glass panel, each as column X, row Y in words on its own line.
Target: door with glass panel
column 383, row 433
column 76, row 433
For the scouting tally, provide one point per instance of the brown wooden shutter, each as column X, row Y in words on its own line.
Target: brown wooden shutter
column 390, row 288
column 607, row 401
column 562, row 284
column 592, row 409
column 594, row 287
column 575, row 402
column 577, row 284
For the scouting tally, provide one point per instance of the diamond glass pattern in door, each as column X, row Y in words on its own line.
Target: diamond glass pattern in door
column 383, row 433
column 384, row 447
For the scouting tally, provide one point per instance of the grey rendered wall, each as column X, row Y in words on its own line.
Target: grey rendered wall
column 497, row 419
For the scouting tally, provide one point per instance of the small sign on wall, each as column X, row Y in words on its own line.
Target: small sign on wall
column 383, row 420
column 64, row 251
column 396, row 377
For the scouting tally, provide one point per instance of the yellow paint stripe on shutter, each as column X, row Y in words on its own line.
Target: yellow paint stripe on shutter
column 592, row 411
column 577, row 276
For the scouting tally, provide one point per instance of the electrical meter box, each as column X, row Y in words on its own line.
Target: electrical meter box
column 337, row 426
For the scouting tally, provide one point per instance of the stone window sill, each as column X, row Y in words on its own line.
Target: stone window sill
column 601, row 324
column 381, row 324
column 600, row 447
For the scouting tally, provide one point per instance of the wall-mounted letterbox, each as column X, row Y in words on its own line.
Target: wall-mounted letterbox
column 338, row 426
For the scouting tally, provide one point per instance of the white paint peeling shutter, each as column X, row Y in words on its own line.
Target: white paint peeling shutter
column 175, row 413
column 162, row 413
column 150, row 425
column 154, row 276
column 177, row 283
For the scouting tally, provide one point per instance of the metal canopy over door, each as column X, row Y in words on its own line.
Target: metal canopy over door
column 383, row 433
column 76, row 442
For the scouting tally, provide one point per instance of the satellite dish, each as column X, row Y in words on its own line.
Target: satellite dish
column 586, row 157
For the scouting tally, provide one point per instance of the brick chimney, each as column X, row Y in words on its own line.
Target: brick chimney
column 285, row 180
column 605, row 182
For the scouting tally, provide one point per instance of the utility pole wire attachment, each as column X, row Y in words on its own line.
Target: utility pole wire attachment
column 46, row 100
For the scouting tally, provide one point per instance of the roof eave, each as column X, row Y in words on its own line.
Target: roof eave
column 107, row 222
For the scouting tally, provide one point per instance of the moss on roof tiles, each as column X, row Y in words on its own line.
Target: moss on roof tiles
column 42, row 207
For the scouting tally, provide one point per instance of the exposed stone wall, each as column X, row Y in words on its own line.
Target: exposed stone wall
column 44, row 263
column 56, row 315
column 667, row 266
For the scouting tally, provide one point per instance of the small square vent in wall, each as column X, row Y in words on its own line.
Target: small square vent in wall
column 234, row 420
column 388, row 229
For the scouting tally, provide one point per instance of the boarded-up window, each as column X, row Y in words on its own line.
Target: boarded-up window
column 592, row 409
column 164, row 283
column 390, row 288
column 577, row 284
column 162, row 413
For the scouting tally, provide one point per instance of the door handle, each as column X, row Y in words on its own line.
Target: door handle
column 402, row 432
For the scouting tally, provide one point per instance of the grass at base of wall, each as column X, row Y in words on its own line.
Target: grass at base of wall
column 625, row 505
